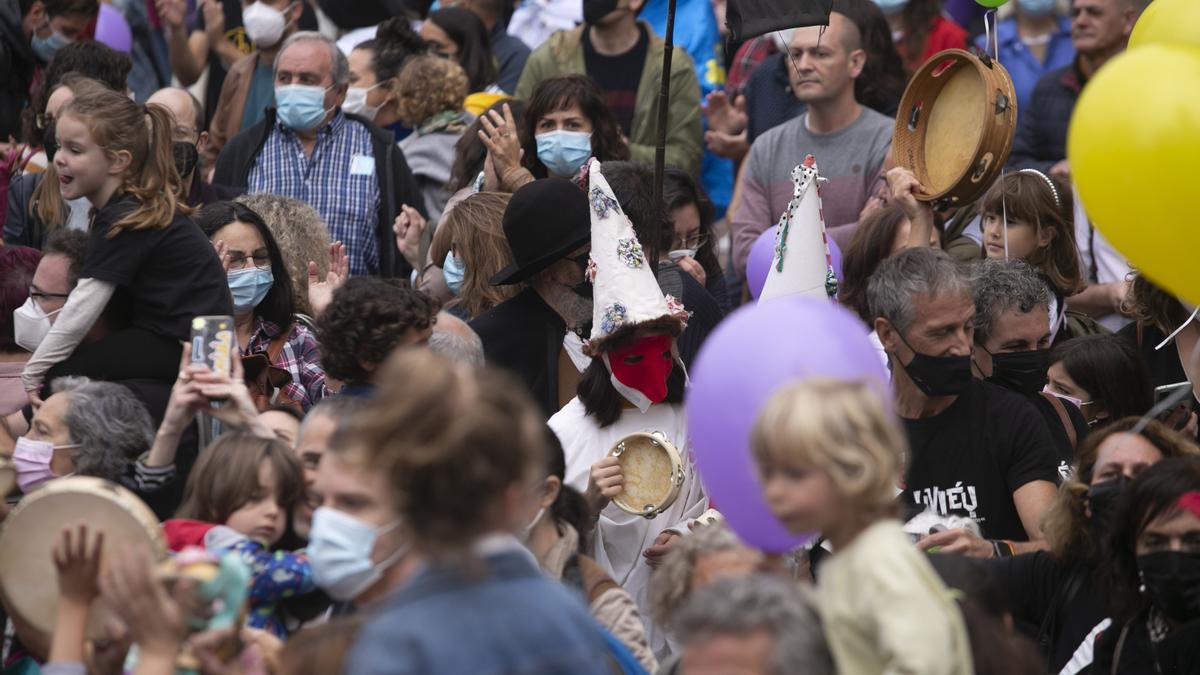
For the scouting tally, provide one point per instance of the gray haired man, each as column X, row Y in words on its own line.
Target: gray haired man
column 343, row 165
column 977, row 450
column 1012, row 346
column 755, row 624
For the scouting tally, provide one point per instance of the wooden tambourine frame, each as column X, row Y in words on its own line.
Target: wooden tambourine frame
column 28, row 582
column 955, row 126
column 653, row 471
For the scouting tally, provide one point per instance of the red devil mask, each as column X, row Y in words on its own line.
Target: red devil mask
column 644, row 366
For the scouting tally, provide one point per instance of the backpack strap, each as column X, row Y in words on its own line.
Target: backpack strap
column 1048, row 632
column 1063, row 417
column 276, row 346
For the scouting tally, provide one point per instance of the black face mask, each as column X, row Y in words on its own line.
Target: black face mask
column 938, row 375
column 50, row 141
column 1022, row 372
column 186, row 158
column 1171, row 580
column 594, row 10
column 1102, row 502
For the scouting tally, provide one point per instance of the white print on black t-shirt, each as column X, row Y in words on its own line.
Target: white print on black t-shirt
column 1064, row 470
column 945, row 502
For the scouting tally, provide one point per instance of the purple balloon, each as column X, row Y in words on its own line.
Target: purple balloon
column 113, row 30
column 762, row 254
column 750, row 355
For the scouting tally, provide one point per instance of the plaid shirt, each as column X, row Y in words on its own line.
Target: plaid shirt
column 747, row 58
column 338, row 180
column 300, row 356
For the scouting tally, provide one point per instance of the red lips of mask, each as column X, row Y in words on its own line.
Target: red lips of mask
column 644, row 365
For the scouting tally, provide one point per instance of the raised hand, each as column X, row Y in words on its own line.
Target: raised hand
column 408, row 228
column 499, row 134
column 320, row 293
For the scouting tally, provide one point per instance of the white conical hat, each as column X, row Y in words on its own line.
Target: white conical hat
column 801, row 265
column 625, row 291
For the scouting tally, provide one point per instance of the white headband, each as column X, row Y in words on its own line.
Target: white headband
column 1049, row 184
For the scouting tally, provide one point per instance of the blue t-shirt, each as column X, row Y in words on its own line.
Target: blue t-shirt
column 260, row 96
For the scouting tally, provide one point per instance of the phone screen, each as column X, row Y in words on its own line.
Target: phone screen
column 213, row 343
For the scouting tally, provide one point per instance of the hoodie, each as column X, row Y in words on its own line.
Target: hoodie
column 17, row 66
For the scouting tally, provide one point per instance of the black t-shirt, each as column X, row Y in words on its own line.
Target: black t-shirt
column 167, row 276
column 1058, row 432
column 968, row 460
column 1063, row 602
column 618, row 76
column 235, row 32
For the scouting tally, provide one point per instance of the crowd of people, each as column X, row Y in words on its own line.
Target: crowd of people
column 452, row 296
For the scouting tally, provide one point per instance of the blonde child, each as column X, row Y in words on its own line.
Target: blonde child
column 238, row 498
column 830, row 458
column 144, row 256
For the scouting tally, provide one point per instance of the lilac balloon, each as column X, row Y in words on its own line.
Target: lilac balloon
column 762, row 254
column 750, row 355
column 113, row 30
column 758, row 263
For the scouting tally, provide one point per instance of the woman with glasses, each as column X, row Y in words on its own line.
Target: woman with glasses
column 263, row 304
column 694, row 248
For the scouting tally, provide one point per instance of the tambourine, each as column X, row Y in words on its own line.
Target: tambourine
column 955, row 126
column 653, row 473
column 28, row 581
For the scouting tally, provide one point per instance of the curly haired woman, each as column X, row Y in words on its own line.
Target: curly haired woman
column 432, row 90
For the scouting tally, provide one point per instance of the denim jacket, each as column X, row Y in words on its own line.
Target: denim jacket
column 506, row 618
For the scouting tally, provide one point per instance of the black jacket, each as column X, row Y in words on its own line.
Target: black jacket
column 17, row 64
column 396, row 183
column 1041, row 138
column 524, row 335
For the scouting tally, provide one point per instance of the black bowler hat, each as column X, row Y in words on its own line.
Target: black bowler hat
column 545, row 220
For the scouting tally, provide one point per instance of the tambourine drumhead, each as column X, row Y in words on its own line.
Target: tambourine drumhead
column 653, row 473
column 955, row 126
column 28, row 579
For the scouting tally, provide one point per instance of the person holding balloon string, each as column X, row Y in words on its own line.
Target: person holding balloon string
column 829, row 456
column 633, row 385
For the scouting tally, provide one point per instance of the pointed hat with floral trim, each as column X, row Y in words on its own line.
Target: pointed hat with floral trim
column 802, row 264
column 626, row 296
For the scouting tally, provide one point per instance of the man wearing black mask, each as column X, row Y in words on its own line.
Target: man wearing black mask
column 189, row 142
column 537, row 333
column 977, row 449
column 1012, row 341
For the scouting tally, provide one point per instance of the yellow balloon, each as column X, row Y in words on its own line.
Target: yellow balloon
column 1133, row 145
column 1168, row 22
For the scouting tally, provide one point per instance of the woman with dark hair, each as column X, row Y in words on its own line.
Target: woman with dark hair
column 567, row 121
column 558, row 535
column 922, row 30
column 1103, row 375
column 693, row 246
column 457, row 34
column 881, row 233
column 1155, row 574
column 263, row 304
column 374, row 65
column 1057, row 595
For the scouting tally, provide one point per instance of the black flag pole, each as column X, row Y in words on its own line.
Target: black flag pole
column 660, row 149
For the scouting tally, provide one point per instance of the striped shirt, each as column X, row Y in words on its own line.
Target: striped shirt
column 338, row 180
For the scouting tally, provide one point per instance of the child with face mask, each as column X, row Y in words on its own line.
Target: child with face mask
column 633, row 384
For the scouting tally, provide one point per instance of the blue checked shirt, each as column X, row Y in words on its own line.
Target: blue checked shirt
column 338, row 180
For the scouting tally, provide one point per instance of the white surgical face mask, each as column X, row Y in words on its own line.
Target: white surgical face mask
column 264, row 24
column 339, row 550
column 528, row 529
column 31, row 324
column 356, row 102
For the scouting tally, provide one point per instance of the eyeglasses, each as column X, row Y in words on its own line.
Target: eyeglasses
column 240, row 261
column 692, row 241
column 42, row 296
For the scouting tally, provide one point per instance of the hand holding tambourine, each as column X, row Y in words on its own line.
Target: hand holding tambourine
column 605, row 481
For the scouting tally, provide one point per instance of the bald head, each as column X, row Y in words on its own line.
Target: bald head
column 187, row 111
column 455, row 340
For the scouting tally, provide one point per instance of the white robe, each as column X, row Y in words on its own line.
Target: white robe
column 620, row 537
